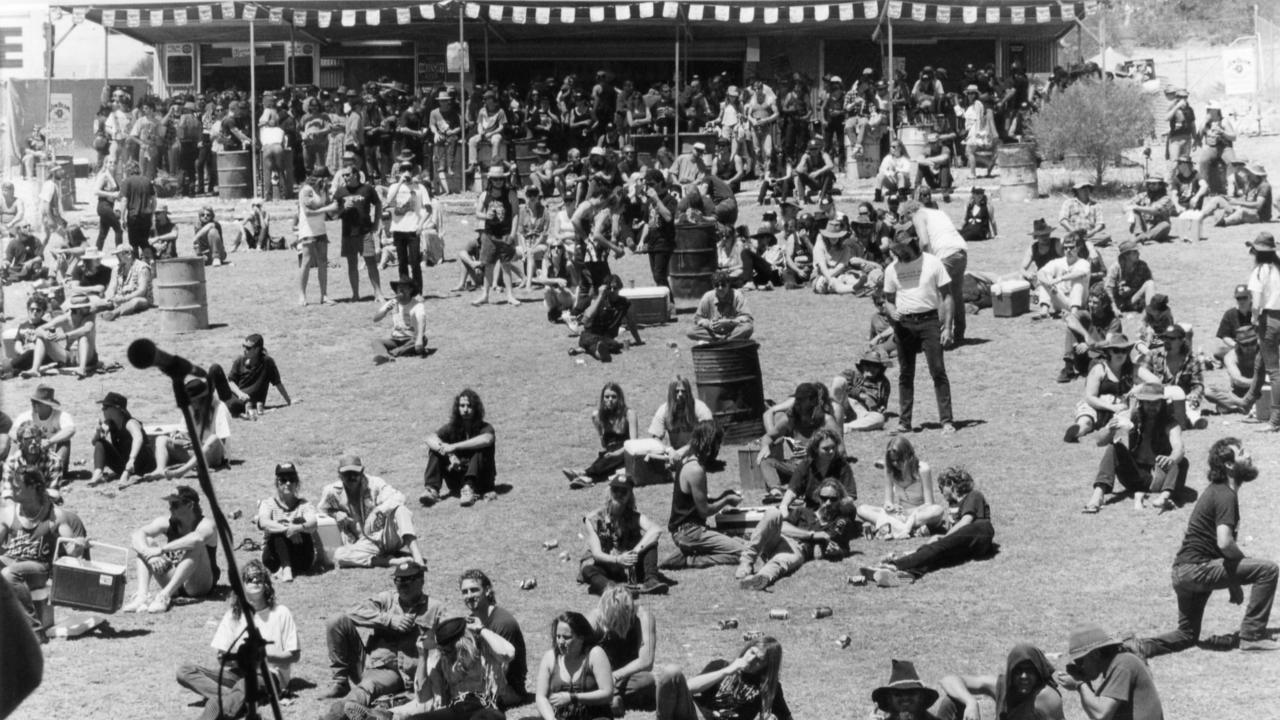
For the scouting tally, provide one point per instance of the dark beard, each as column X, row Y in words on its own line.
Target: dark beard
column 1244, row 473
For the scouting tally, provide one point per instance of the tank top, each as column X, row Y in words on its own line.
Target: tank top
column 1042, row 258
column 614, row 434
column 910, row 496
column 173, row 532
column 683, row 509
column 1115, row 386
column 583, row 682
column 621, row 650
column 35, row 544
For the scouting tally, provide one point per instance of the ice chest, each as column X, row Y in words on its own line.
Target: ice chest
column 640, row 468
column 96, row 584
column 328, row 539
column 739, row 521
column 649, row 305
column 1189, row 225
column 1010, row 298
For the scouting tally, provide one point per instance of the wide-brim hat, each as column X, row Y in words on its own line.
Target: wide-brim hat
column 621, row 479
column 1127, row 246
column 1264, row 241
column 196, row 387
column 441, row 96
column 1149, row 392
column 496, row 173
column 450, row 631
column 541, row 150
column 91, row 254
column 903, row 678
column 397, row 284
column 872, row 357
column 115, row 400
column 1256, row 168
column 44, row 396
column 1082, row 184
column 1086, row 638
column 1040, row 228
column 1115, row 341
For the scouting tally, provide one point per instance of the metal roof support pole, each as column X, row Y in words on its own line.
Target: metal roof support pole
column 253, row 111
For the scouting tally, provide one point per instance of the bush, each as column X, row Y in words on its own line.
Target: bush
column 1095, row 120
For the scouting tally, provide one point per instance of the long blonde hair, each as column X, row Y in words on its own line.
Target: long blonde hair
column 617, row 610
column 901, row 462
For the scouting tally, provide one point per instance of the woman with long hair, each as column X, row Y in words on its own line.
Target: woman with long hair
column 120, row 446
column 314, row 209
column 675, row 419
column 748, row 688
column 808, row 410
column 909, row 507
column 823, row 483
column 175, row 453
column 287, row 521
column 1264, row 286
column 223, row 686
column 628, row 634
column 460, row 676
column 615, row 424
column 1106, row 386
column 575, row 680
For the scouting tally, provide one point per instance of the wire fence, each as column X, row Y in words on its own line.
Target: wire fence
column 1268, row 29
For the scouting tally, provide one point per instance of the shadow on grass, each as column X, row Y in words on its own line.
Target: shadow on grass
column 107, row 631
column 960, row 424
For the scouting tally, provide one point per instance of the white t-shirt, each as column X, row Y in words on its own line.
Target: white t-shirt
column 277, row 628
column 406, row 319
column 658, row 428
column 1061, row 267
column 271, row 135
column 918, row 284
column 411, row 198
column 938, row 235
column 891, row 165
column 1264, row 285
column 52, row 425
column 309, row 226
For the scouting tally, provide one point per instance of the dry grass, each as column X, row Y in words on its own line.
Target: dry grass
column 1056, row 567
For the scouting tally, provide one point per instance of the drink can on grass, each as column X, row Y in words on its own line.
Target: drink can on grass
column 551, row 544
column 844, row 641
column 752, row 635
column 857, row 580
column 728, row 624
column 528, row 583
column 822, row 611
column 779, row 614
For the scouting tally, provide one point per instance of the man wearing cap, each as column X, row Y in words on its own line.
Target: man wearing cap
column 1186, row 187
column 919, row 302
column 1111, row 681
column 358, row 206
column 120, row 444
column 56, row 425
column 1153, row 460
column 179, row 550
column 1150, row 212
column 130, row 291
column 377, row 527
column 1080, row 213
column 1209, row 559
column 402, row 623
column 1253, row 207
column 814, row 171
column 904, row 697
column 690, row 167
column 1129, row 283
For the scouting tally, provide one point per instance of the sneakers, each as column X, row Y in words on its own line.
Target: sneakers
column 429, row 497
column 468, row 496
column 1072, row 435
column 653, row 586
column 1219, row 643
column 337, row 689
column 900, row 429
column 160, row 604
column 138, row 604
column 1066, row 375
column 754, row 582
column 888, row 577
column 948, row 428
column 1258, row 645
column 745, row 568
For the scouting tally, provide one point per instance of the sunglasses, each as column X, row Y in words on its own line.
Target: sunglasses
column 406, row 580
column 828, row 498
column 721, row 285
column 255, row 580
column 174, row 505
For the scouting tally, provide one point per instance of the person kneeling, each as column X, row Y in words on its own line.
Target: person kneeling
column 603, row 319
column 722, row 313
column 408, row 325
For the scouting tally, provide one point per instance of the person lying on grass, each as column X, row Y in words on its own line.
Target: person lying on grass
column 909, row 508
column 969, row 536
column 615, row 424
column 1026, row 689
column 1153, row 460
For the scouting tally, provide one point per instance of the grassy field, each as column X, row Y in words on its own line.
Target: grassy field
column 1056, row 567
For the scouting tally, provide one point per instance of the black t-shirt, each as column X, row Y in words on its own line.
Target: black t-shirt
column 609, row 317
column 1232, row 320
column 451, row 434
column 976, row 505
column 357, row 218
column 100, row 275
column 498, row 218
column 230, row 141
column 255, row 379
column 1218, row 505
column 505, row 626
column 137, row 192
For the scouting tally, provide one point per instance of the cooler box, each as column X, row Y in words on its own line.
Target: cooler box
column 737, row 522
column 749, row 475
column 1189, row 225
column 1010, row 298
column 328, row 539
column 650, row 305
column 643, row 471
column 90, row 584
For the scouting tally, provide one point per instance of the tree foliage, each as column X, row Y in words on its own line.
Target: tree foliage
column 1093, row 119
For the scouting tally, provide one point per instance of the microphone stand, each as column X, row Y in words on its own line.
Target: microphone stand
column 252, row 656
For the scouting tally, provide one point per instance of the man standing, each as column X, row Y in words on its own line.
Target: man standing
column 358, row 205
column 402, row 621
column 938, row 237
column 919, row 303
column 372, row 516
column 445, row 125
column 407, row 199
column 659, row 235
column 1210, row 559
column 497, row 216
column 482, row 604
column 50, row 204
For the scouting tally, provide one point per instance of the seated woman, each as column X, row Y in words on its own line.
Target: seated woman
column 748, row 688
column 1026, row 688
column 979, row 220
column 251, row 378
column 131, row 287
column 622, row 544
column 223, row 686
column 175, row 453
column 1106, row 387
column 179, row 551
column 120, row 445
column 797, row 256
column 895, row 171
column 909, row 508
column 69, row 340
column 575, row 680
column 559, row 278
column 968, row 537
column 862, row 393
column 459, row 677
column 793, row 422
column 287, row 522
column 628, row 634
column 827, row 517
column 615, row 424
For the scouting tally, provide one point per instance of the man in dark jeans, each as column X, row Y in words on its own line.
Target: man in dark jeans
column 1210, row 559
column 919, row 303
column 660, row 233
column 1151, row 461
column 602, row 320
column 253, row 374
column 461, row 454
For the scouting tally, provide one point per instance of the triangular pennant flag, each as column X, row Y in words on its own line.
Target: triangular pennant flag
column 670, row 10
column 276, row 15
column 542, row 15
column 1042, row 14
column 1068, row 11
column 943, row 14
column 918, row 11
column 993, row 15
column 568, row 15
column 722, row 13
column 428, row 12
column 895, row 9
column 155, row 17
column 372, row 17
column 250, row 12
column 77, row 15
column 646, row 10
column 870, row 9
column 846, row 12
column 747, row 15
column 1019, row 14
column 348, row 18
column 969, row 14
column 324, row 18
column 622, row 12
column 228, row 11
column 519, row 14
column 205, row 13
column 402, row 16
column 108, row 18
column 821, row 13
column 596, row 13
column 770, row 15
column 133, row 17
column 695, row 12
column 796, row 14
column 473, row 11
column 495, row 13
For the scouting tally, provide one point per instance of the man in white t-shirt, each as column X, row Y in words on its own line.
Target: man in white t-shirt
column 408, row 325
column 56, row 426
column 407, row 199
column 919, row 302
column 1064, row 282
column 939, row 237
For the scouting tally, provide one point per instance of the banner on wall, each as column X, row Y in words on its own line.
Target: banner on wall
column 60, row 120
column 457, row 57
column 1240, row 69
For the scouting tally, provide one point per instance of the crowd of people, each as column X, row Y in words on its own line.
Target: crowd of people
column 1143, row 390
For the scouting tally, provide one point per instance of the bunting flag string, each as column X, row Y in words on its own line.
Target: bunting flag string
column 694, row 12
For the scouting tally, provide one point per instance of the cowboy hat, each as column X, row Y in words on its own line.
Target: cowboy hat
column 734, row 92
column 442, row 96
column 1148, row 392
column 1264, row 241
column 114, row 400
column 839, row 231
column 44, row 396
column 541, row 150
column 1040, row 228
column 872, row 357
column 1256, row 168
column 903, row 678
column 1086, row 638
column 1127, row 246
column 972, row 89
column 496, row 173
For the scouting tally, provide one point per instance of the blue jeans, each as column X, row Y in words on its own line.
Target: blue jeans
column 955, row 264
column 700, row 547
column 915, row 333
column 1268, row 363
column 1193, row 584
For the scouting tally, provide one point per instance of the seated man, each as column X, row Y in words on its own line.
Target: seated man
column 602, row 321
column 209, row 241
column 896, row 171
column 1171, row 360
column 1239, row 363
column 815, row 170
column 826, row 516
column 862, row 393
column 31, row 453
column 1087, row 328
column 934, row 169
column 68, row 340
column 1026, row 689
column 461, row 455
column 467, row 656
column 905, row 697
column 1112, row 681
column 1187, row 188
column 1253, row 207
column 56, row 425
column 1080, row 214
column 376, row 525
column 1233, row 319
column 622, row 543
column 244, row 389
column 22, row 257
column 1150, row 212
column 1129, row 283
column 1152, row 461
column 179, row 551
column 402, row 623
column 408, row 325
column 30, row 530
column 1062, row 283
column 89, row 276
column 722, row 313
column 696, row 545
column 482, row 605
column 131, row 290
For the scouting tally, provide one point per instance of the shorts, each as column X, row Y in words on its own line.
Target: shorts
column 492, row 250
column 318, row 247
column 363, row 245
column 1099, row 417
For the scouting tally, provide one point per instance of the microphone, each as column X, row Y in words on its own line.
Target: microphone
column 144, row 354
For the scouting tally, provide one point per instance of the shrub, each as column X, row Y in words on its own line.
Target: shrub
column 1095, row 120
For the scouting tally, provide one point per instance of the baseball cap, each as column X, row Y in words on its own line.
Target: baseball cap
column 350, row 463
column 1241, row 292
